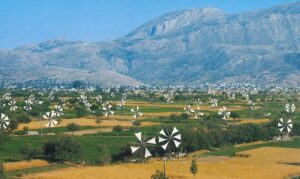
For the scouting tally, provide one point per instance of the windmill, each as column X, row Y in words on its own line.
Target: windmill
column 6, row 96
column 198, row 102
column 28, row 104
column 285, row 127
column 106, row 107
column 51, row 96
column 99, row 99
column 58, row 110
column 168, row 98
column 198, row 113
column 290, row 108
column 62, row 102
column 5, row 99
column 169, row 141
column 121, row 104
column 4, row 121
column 50, row 117
column 88, row 106
column 136, row 112
column 142, row 146
column 82, row 98
column 214, row 103
column 251, row 105
column 224, row 113
column 188, row 109
column 12, row 105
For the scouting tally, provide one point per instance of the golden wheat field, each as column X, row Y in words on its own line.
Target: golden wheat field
column 24, row 164
column 84, row 122
column 180, row 106
column 250, row 121
column 267, row 163
column 90, row 131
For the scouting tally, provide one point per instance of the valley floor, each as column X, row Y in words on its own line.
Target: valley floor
column 266, row 162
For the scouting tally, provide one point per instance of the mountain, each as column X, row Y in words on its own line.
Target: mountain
column 187, row 46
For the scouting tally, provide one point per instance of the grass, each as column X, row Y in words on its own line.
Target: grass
column 231, row 150
column 55, row 130
column 11, row 150
column 10, row 166
column 262, row 163
column 115, row 141
column 22, row 172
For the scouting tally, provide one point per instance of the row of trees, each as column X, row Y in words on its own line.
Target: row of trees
column 63, row 148
column 59, row 149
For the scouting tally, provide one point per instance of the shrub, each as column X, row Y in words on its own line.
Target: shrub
column 184, row 116
column 194, row 167
column 73, row 127
column 174, row 117
column 134, row 128
column 2, row 172
column 234, row 115
column 159, row 175
column 29, row 152
column 117, row 128
column 62, row 148
column 136, row 123
column 104, row 155
column 13, row 125
column 81, row 111
column 4, row 137
column 23, row 118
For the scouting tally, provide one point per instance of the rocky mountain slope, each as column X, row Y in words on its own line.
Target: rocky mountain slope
column 188, row 46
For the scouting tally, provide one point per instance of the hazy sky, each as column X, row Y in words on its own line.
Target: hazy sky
column 31, row 21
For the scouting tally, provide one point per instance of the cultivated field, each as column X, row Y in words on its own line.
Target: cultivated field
column 244, row 143
column 268, row 162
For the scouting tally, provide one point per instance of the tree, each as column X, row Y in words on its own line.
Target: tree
column 25, row 129
column 13, row 125
column 23, row 118
column 77, row 84
column 194, row 167
column 184, row 116
column 136, row 123
column 81, row 111
column 173, row 117
column 234, row 115
column 98, row 120
column 29, row 152
column 105, row 156
column 159, row 175
column 4, row 137
column 117, row 128
column 2, row 171
column 73, row 127
column 61, row 148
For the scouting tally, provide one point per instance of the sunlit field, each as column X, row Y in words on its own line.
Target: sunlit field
column 267, row 162
column 228, row 137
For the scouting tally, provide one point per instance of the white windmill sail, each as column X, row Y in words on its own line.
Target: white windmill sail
column 138, row 135
column 174, row 131
column 176, row 143
column 147, row 153
column 133, row 149
column 4, row 121
column 151, row 141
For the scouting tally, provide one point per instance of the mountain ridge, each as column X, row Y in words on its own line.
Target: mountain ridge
column 187, row 46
